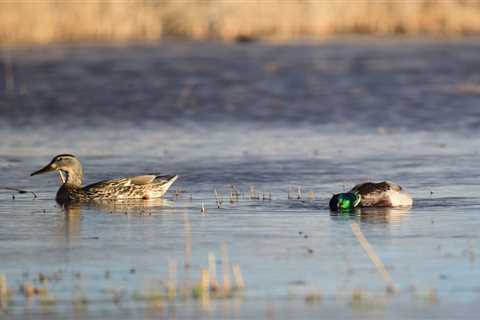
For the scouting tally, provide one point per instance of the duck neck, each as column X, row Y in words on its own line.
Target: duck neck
column 74, row 177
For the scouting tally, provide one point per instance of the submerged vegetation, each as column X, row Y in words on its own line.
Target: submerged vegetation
column 50, row 21
column 158, row 293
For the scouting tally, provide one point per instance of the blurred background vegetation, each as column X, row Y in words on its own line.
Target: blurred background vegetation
column 47, row 21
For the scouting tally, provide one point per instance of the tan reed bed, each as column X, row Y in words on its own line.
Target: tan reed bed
column 47, row 21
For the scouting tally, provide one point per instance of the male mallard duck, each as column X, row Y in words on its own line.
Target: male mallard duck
column 371, row 194
column 71, row 174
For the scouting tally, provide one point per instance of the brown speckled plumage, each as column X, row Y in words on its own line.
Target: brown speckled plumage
column 373, row 187
column 382, row 194
column 136, row 187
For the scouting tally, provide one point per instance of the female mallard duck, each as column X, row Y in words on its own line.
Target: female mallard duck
column 371, row 194
column 71, row 174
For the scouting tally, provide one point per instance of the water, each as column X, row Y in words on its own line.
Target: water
column 321, row 117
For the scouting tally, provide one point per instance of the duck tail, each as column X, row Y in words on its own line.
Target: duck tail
column 165, row 179
column 161, row 184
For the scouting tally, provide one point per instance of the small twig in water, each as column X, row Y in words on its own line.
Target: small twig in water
column 299, row 193
column 234, row 194
column 21, row 191
column 253, row 193
column 218, row 199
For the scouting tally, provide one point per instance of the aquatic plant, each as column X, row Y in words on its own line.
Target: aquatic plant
column 4, row 292
column 218, row 199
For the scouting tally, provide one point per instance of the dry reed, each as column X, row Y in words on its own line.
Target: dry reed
column 212, row 269
column 299, row 193
column 253, row 193
column 50, row 21
column 225, row 268
column 205, row 288
column 237, row 275
column 234, row 194
column 218, row 199
column 3, row 292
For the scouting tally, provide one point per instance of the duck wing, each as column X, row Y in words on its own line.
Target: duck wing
column 150, row 179
column 382, row 194
column 145, row 186
column 375, row 187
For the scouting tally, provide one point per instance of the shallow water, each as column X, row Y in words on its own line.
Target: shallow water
column 316, row 117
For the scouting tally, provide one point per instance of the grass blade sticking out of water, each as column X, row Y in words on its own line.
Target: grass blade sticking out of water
column 213, row 271
column 237, row 275
column 373, row 257
column 225, row 269
column 253, row 193
column 204, row 287
column 3, row 292
column 299, row 193
column 218, row 199
column 234, row 194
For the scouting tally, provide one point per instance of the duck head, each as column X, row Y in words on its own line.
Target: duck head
column 66, row 163
column 345, row 201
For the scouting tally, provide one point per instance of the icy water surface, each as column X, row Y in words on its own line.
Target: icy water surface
column 319, row 118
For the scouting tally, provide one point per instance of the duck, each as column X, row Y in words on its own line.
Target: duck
column 135, row 187
column 372, row 194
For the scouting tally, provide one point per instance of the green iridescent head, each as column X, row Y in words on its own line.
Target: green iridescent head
column 345, row 201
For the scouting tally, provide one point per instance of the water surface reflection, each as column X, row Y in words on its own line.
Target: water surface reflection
column 374, row 215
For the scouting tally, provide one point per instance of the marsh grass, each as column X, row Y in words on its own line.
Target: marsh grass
column 295, row 193
column 218, row 199
column 234, row 194
column 50, row 21
column 254, row 195
column 4, row 296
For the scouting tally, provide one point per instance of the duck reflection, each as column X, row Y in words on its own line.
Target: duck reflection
column 131, row 206
column 72, row 221
column 373, row 214
column 73, row 212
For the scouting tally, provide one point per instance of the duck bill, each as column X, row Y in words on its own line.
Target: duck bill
column 48, row 168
